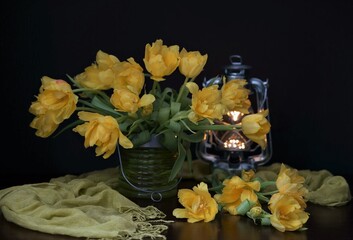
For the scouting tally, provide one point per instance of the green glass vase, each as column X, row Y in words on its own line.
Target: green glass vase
column 144, row 173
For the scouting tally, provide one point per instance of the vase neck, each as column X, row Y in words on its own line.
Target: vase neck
column 153, row 143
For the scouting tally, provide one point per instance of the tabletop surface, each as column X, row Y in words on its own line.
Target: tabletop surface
column 324, row 223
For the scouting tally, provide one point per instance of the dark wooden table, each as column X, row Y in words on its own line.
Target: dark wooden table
column 324, row 223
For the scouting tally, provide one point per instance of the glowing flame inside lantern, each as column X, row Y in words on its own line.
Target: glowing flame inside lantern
column 234, row 144
column 235, row 115
column 233, row 140
column 232, row 150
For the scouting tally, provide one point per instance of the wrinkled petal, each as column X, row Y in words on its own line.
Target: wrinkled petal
column 206, row 103
column 199, row 204
column 256, row 127
column 161, row 60
column 191, row 63
column 55, row 103
column 287, row 213
column 102, row 131
column 236, row 191
column 101, row 74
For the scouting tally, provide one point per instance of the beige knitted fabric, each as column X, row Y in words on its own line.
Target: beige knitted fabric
column 81, row 206
column 88, row 206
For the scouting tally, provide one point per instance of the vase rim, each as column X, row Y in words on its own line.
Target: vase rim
column 153, row 143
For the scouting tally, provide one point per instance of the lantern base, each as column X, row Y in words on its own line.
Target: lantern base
column 234, row 168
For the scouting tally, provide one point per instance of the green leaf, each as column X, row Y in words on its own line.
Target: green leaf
column 96, row 101
column 179, row 116
column 262, row 197
column 163, row 115
column 154, row 116
column 244, row 207
column 189, row 158
column 174, row 108
column 216, row 188
column 71, row 125
column 135, row 125
column 73, row 81
column 185, row 101
column 169, row 140
column 178, row 165
column 174, row 126
column 141, row 138
column 194, row 138
column 166, row 92
column 220, row 208
column 265, row 221
column 162, row 99
column 265, row 184
column 125, row 125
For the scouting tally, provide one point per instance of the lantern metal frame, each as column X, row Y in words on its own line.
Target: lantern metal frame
column 247, row 156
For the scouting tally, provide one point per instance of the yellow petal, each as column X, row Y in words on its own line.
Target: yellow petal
column 124, row 141
column 250, row 127
column 146, row 100
column 180, row 213
column 193, row 87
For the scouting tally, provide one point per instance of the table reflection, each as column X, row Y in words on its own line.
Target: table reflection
column 199, row 230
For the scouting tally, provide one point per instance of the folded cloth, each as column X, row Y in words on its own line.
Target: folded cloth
column 81, row 206
column 324, row 188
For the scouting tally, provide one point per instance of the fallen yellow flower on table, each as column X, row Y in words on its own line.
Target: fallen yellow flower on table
column 247, row 195
column 287, row 213
column 235, row 192
column 199, row 204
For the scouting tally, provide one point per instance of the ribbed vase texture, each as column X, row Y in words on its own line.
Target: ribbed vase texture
column 147, row 169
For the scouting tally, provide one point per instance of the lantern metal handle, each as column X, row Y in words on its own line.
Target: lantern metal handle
column 236, row 160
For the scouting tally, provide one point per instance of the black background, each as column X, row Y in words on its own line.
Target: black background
column 303, row 48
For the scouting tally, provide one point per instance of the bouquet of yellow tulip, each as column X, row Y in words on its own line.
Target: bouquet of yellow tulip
column 115, row 108
column 245, row 195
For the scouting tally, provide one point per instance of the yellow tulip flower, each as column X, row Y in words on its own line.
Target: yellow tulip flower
column 161, row 60
column 235, row 96
column 191, row 63
column 55, row 103
column 206, row 103
column 256, row 126
column 198, row 203
column 102, row 131
column 287, row 213
column 236, row 191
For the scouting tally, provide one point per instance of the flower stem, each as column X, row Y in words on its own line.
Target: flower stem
column 182, row 89
column 99, row 110
column 262, row 197
column 267, row 183
column 73, row 81
column 154, row 87
column 216, row 188
column 192, row 79
column 87, row 109
column 102, row 94
column 270, row 193
column 216, row 127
